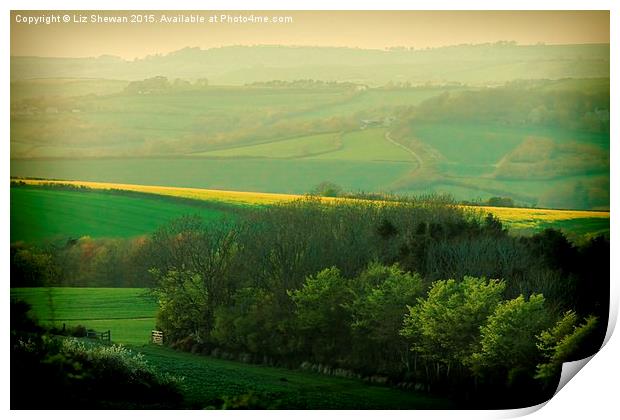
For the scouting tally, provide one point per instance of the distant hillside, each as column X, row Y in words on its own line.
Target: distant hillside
column 472, row 64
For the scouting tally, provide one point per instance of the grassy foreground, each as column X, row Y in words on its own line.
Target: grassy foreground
column 208, row 381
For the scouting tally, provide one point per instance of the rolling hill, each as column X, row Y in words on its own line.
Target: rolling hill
column 236, row 65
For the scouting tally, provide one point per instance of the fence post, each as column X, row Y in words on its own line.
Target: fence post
column 157, row 337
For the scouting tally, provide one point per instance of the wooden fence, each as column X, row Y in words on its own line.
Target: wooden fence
column 157, row 337
column 104, row 336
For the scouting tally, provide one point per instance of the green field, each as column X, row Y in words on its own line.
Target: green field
column 35, row 88
column 288, row 176
column 359, row 145
column 129, row 313
column 485, row 144
column 38, row 214
column 548, row 167
column 368, row 145
column 59, row 117
column 208, row 380
column 130, row 316
column 378, row 99
column 176, row 123
column 588, row 227
column 289, row 148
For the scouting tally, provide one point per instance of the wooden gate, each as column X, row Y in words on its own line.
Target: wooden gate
column 157, row 337
column 103, row 336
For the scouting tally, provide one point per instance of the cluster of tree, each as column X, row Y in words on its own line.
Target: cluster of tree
column 544, row 104
column 465, row 332
column 305, row 84
column 495, row 201
column 328, row 189
column 362, row 287
column 81, row 262
column 331, row 189
column 160, row 84
column 500, row 202
column 543, row 158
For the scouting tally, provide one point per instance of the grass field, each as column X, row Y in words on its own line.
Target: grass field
column 289, row 148
column 378, row 99
column 34, row 88
column 281, row 176
column 367, row 145
column 179, row 121
column 470, row 144
column 242, row 115
column 38, row 214
column 233, row 197
column 129, row 313
column 359, row 145
column 208, row 380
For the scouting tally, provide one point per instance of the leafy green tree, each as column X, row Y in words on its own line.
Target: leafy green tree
column 31, row 267
column 328, row 189
column 253, row 323
column 565, row 342
column 444, row 327
column 183, row 305
column 321, row 314
column 194, row 263
column 508, row 349
column 500, row 202
column 157, row 84
column 382, row 296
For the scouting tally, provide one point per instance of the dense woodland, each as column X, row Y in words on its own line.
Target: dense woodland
column 575, row 105
column 421, row 293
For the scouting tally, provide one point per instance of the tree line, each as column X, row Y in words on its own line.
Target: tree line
column 576, row 106
column 420, row 292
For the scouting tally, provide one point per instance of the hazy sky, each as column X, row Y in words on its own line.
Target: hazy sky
column 364, row 29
